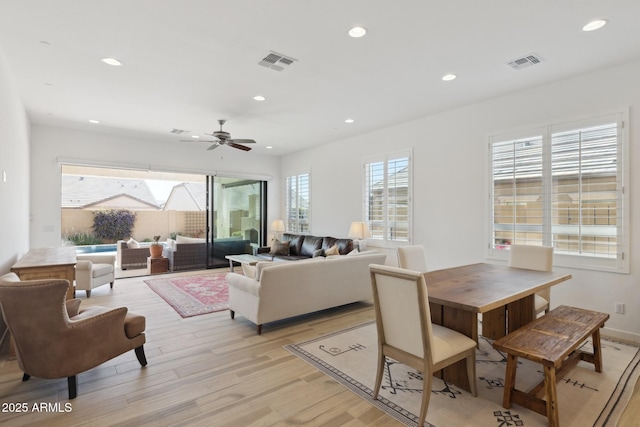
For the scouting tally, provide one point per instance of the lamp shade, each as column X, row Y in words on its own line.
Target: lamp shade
column 277, row 225
column 359, row 230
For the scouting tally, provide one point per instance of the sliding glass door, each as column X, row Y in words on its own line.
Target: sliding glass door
column 235, row 217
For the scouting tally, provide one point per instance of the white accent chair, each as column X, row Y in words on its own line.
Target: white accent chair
column 405, row 332
column 93, row 271
column 412, row 258
column 534, row 258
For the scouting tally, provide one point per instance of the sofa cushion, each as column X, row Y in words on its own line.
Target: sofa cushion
column 280, row 248
column 295, row 244
column 183, row 239
column 310, row 245
column 248, row 270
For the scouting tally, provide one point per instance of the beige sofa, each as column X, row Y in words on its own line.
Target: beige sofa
column 287, row 289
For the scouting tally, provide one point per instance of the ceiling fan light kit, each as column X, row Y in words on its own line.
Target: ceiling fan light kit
column 224, row 138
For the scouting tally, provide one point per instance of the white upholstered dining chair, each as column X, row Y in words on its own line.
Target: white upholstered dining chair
column 534, row 258
column 412, row 258
column 405, row 332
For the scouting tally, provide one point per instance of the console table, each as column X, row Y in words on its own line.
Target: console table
column 48, row 263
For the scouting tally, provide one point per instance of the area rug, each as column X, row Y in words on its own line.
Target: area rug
column 193, row 295
column 585, row 397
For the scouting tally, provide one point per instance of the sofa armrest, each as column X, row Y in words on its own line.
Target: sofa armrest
column 243, row 283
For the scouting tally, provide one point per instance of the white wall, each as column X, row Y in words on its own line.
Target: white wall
column 51, row 144
column 451, row 175
column 14, row 161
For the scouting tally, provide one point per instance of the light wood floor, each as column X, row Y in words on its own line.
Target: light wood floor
column 203, row 371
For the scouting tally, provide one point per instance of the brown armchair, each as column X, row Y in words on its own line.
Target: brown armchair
column 57, row 339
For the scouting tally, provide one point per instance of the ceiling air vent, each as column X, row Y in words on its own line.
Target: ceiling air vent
column 524, row 62
column 276, row 61
column 179, row 131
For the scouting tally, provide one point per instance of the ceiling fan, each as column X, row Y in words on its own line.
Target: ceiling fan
column 224, row 138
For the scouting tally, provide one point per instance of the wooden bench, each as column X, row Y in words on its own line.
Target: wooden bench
column 551, row 340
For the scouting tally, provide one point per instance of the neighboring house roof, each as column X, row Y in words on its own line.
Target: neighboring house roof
column 188, row 196
column 79, row 191
column 121, row 201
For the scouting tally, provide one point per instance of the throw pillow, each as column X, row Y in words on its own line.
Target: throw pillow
column 318, row 252
column 249, row 270
column 333, row 250
column 353, row 252
column 280, row 248
column 132, row 244
column 259, row 268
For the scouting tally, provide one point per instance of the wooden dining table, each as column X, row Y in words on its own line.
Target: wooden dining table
column 504, row 296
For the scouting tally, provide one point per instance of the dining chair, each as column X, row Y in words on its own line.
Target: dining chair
column 406, row 334
column 534, row 258
column 412, row 258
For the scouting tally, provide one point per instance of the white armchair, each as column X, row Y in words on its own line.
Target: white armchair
column 93, row 271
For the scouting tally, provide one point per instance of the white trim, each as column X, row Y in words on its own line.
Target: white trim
column 156, row 168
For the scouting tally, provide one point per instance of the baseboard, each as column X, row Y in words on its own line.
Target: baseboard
column 620, row 335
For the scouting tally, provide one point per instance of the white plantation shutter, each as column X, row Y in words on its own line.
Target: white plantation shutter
column 562, row 186
column 298, row 195
column 387, row 197
column 585, row 190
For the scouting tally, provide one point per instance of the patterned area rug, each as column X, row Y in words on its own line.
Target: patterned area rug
column 193, row 295
column 585, row 397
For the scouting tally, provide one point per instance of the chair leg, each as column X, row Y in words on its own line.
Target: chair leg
column 88, row 293
column 111, row 284
column 140, row 355
column 426, row 396
column 259, row 329
column 25, row 377
column 471, row 373
column 72, row 383
column 233, row 314
column 379, row 374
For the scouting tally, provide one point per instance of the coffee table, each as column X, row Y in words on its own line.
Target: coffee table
column 247, row 258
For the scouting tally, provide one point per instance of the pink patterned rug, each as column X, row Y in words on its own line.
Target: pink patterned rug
column 193, row 295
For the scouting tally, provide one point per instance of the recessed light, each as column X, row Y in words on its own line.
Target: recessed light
column 111, row 61
column 95, row 122
column 449, row 77
column 349, row 121
column 195, row 136
column 268, row 147
column 357, row 32
column 595, row 25
column 259, row 98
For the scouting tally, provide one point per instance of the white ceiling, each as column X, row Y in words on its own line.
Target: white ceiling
column 188, row 63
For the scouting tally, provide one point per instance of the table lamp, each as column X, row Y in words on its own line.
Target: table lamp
column 358, row 232
column 277, row 226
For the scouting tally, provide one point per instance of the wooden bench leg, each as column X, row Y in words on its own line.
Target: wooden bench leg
column 509, row 380
column 552, row 398
column 597, row 350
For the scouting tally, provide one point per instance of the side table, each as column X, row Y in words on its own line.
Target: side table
column 157, row 265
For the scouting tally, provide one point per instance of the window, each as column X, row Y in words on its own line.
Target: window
column 562, row 186
column 297, row 204
column 387, row 198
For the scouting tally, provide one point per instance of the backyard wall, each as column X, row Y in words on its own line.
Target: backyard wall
column 147, row 224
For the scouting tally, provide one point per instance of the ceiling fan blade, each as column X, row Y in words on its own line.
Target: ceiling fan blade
column 198, row 141
column 242, row 141
column 241, row 147
column 213, row 147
